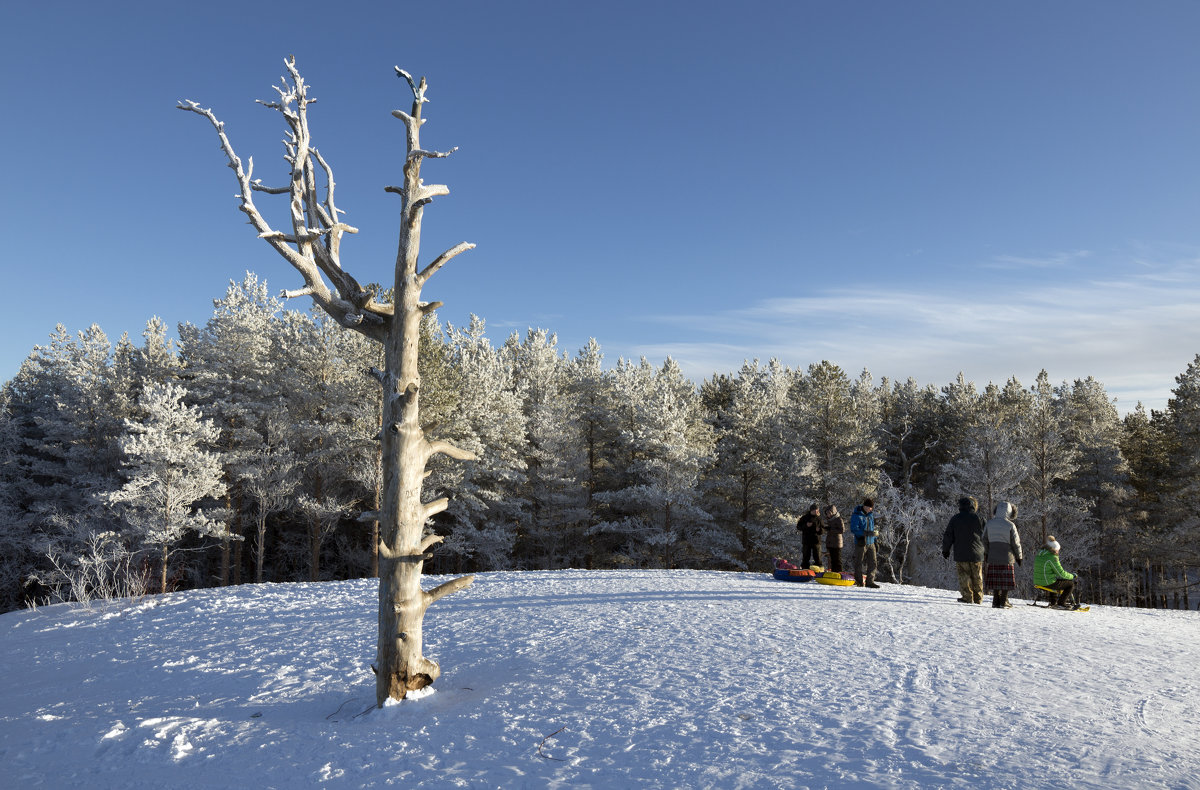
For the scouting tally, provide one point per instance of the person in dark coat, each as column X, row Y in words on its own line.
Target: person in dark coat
column 1004, row 548
column 965, row 536
column 835, row 528
column 809, row 526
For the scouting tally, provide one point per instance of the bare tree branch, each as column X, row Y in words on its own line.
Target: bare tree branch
column 452, row 586
column 436, row 506
column 445, row 448
column 257, row 186
column 442, row 260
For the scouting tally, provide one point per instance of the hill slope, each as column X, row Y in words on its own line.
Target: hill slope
column 602, row 679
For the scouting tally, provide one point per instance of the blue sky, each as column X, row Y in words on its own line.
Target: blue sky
column 918, row 188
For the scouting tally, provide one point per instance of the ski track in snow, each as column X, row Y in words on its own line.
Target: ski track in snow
column 573, row 679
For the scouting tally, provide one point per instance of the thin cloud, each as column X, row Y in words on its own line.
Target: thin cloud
column 1057, row 261
column 1134, row 334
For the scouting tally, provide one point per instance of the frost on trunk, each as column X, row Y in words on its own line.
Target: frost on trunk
column 313, row 246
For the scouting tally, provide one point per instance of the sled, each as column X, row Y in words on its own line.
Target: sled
column 1048, row 594
column 795, row 574
column 837, row 579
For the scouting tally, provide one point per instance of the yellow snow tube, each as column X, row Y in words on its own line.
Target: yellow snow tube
column 831, row 577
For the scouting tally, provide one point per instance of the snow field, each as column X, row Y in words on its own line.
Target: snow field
column 603, row 679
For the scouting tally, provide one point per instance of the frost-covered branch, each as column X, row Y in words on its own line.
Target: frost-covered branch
column 417, row 153
column 419, row 94
column 313, row 247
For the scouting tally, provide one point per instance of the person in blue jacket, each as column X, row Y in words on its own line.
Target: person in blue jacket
column 862, row 526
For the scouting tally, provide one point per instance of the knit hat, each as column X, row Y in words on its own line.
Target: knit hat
column 1052, row 544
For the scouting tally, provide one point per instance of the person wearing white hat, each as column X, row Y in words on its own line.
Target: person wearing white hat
column 1048, row 572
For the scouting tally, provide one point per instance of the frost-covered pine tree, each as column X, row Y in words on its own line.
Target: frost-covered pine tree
column 312, row 245
column 482, row 523
column 834, row 421
column 168, row 472
column 1101, row 477
column 658, row 514
column 157, row 361
column 1048, row 505
column 959, row 413
column 1181, row 430
column 267, row 478
column 593, row 396
column 19, row 551
column 750, row 484
column 1101, row 472
column 991, row 461
column 63, row 415
column 554, row 454
column 909, row 431
column 1145, row 447
column 324, row 395
column 233, row 375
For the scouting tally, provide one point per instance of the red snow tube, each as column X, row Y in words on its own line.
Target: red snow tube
column 795, row 574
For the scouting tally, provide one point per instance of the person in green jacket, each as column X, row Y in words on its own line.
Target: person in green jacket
column 1048, row 572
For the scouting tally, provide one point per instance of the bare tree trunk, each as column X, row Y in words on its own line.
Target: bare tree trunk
column 377, row 503
column 225, row 539
column 313, row 248
column 260, row 547
column 240, row 542
column 401, row 665
column 316, row 532
column 314, row 549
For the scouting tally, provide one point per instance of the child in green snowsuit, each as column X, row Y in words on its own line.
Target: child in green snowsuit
column 1048, row 572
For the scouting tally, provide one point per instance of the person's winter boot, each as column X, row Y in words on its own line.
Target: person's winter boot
column 858, row 582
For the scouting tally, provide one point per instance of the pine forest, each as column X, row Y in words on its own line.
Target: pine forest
column 245, row 451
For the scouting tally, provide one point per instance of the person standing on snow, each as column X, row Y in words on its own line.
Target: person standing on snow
column 862, row 525
column 1004, row 548
column 834, row 529
column 809, row 527
column 965, row 534
column 1048, row 572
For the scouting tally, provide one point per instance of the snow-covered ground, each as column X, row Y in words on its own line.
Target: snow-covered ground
column 617, row 679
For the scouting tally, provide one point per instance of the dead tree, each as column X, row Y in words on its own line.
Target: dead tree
column 313, row 247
